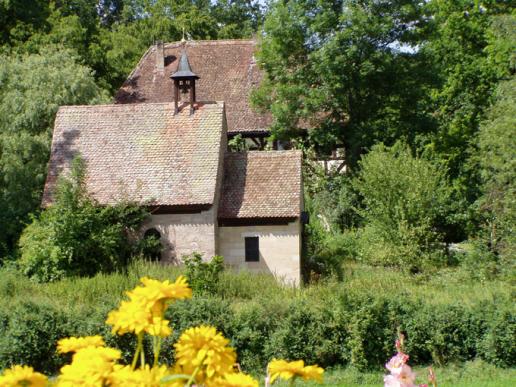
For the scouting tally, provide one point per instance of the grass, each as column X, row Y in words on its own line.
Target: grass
column 469, row 374
column 444, row 287
column 245, row 290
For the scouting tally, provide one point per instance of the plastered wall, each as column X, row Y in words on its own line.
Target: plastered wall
column 280, row 249
column 183, row 234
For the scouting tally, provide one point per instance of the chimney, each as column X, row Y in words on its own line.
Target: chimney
column 160, row 56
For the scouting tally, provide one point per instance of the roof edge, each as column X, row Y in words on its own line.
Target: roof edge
column 126, row 105
column 212, row 42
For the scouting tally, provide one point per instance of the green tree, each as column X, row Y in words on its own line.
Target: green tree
column 496, row 157
column 75, row 236
column 405, row 203
column 464, row 46
column 338, row 69
column 237, row 18
column 32, row 87
column 19, row 19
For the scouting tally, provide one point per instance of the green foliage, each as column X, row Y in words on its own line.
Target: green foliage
column 202, row 276
column 496, row 143
column 497, row 346
column 32, row 87
column 334, row 67
column 237, row 144
column 75, row 236
column 300, row 336
column 405, row 200
column 29, row 336
column 446, row 318
column 469, row 55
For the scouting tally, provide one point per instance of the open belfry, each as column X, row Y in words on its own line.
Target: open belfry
column 164, row 144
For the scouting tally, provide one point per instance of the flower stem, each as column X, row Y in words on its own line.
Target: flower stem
column 192, row 377
column 138, row 349
column 157, row 349
column 142, row 357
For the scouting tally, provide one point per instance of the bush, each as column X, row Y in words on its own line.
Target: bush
column 332, row 324
column 250, row 330
column 28, row 335
column 305, row 333
column 203, row 277
column 497, row 346
column 76, row 236
column 405, row 200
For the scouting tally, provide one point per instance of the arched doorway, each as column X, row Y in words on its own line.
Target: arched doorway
column 153, row 246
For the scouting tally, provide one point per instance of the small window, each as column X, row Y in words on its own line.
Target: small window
column 252, row 249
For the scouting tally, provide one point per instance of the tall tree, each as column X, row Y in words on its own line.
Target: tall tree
column 237, row 18
column 460, row 33
column 349, row 71
column 497, row 144
column 32, row 87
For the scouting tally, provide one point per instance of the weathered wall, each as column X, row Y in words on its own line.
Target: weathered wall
column 280, row 249
column 183, row 234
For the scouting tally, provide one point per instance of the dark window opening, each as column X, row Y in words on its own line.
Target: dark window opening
column 252, row 249
column 152, row 244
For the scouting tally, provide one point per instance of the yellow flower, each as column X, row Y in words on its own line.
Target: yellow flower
column 159, row 327
column 178, row 290
column 287, row 370
column 313, row 372
column 73, row 344
column 90, row 366
column 146, row 303
column 130, row 317
column 22, row 376
column 123, row 376
column 234, row 380
column 207, row 349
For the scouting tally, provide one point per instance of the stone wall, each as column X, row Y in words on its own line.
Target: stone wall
column 280, row 249
column 183, row 234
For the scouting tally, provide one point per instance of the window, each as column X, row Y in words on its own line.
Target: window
column 252, row 249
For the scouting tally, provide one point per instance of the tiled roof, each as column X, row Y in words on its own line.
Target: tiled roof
column 227, row 70
column 261, row 185
column 141, row 152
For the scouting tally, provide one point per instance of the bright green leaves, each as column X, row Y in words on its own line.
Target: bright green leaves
column 32, row 88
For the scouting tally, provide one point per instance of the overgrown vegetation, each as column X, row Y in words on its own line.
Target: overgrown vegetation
column 446, row 316
column 203, row 276
column 368, row 75
column 76, row 236
column 405, row 200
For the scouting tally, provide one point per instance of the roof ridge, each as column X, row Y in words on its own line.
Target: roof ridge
column 209, row 42
column 268, row 152
column 130, row 105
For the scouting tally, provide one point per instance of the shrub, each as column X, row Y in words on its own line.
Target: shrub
column 203, row 277
column 405, row 199
column 28, row 335
column 305, row 333
column 334, row 324
column 75, row 236
column 497, row 346
column 250, row 330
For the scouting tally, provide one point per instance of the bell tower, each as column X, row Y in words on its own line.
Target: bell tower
column 184, row 82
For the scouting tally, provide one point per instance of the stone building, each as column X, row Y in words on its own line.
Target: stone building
column 163, row 144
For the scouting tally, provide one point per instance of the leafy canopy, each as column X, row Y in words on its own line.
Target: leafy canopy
column 32, row 87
